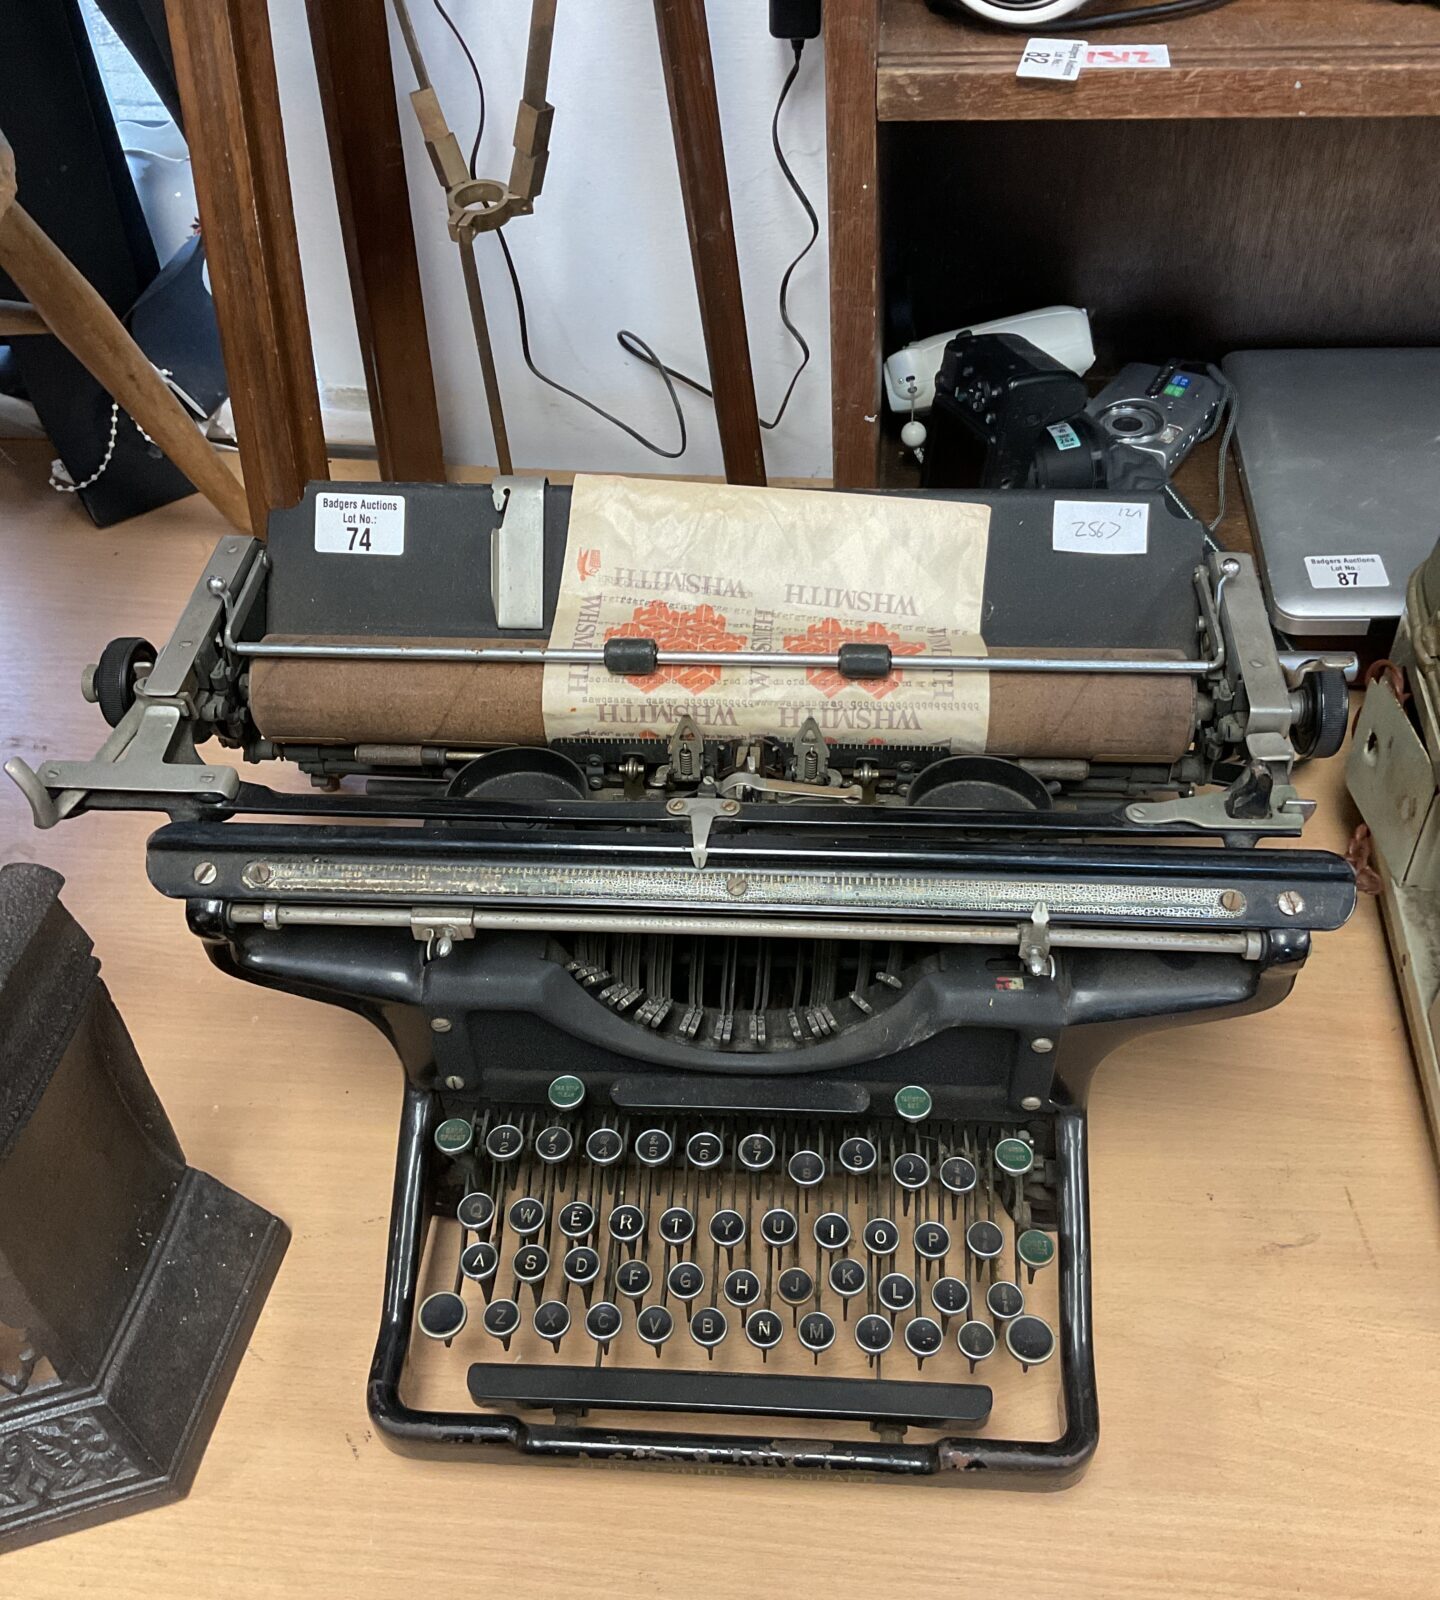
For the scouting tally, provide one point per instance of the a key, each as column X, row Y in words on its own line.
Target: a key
column 779, row 1228
column 627, row 1224
column 603, row 1321
column 577, row 1220
column 976, row 1341
column 504, row 1142
column 1014, row 1156
column 654, row 1147
column 958, row 1174
column 796, row 1286
column 685, row 1280
column 531, row 1263
column 896, row 1292
column 874, row 1335
column 832, row 1230
column 441, row 1316
column 1030, row 1341
column 911, row 1171
column 881, row 1236
column 501, row 1319
column 454, row 1136
column 984, row 1239
column 704, row 1150
column 806, row 1168
column 858, row 1155
column 605, row 1146
column 554, row 1145
column 1004, row 1300
column 633, row 1279
column 677, row 1225
column 655, row 1325
column 756, row 1151
column 1035, row 1250
column 817, row 1333
column 526, row 1217
column 923, row 1339
column 479, row 1260
column 950, row 1297
column 477, row 1210
column 727, row 1229
column 552, row 1322
column 764, row 1330
column 742, row 1288
column 708, row 1328
column 581, row 1266
column 932, row 1241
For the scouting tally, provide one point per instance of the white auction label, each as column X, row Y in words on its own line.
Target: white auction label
column 1347, row 572
column 1102, row 527
column 1131, row 57
column 1057, row 59
column 360, row 524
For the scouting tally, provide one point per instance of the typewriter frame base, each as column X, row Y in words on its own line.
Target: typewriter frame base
column 1003, row 1462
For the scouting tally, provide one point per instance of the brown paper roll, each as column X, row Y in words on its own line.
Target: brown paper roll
column 462, row 705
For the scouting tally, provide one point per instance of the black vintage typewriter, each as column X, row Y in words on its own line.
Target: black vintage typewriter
column 745, row 1072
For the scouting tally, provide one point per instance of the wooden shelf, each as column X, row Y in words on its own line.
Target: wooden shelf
column 1256, row 58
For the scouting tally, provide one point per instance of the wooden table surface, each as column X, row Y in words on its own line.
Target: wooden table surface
column 1267, row 1305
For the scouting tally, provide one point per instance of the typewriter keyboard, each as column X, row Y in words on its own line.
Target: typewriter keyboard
column 745, row 1265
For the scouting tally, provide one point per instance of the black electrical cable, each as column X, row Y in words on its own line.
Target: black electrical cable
column 1082, row 24
column 479, row 82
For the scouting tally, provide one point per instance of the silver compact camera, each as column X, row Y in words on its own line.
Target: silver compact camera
column 1159, row 413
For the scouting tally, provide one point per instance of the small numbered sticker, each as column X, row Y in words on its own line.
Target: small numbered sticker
column 360, row 524
column 1347, row 572
column 1102, row 527
column 1128, row 58
column 1057, row 59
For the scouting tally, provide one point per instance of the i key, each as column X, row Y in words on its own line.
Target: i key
column 832, row 1230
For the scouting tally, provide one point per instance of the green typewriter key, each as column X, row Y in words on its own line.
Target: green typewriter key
column 913, row 1104
column 566, row 1093
column 454, row 1136
column 1014, row 1156
column 1035, row 1250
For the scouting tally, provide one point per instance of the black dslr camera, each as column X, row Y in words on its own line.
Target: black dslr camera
column 1008, row 416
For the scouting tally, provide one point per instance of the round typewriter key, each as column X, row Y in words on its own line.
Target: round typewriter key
column 807, row 1168
column 881, row 1236
column 985, row 1240
column 552, row 1321
column 913, row 1103
column 554, row 1145
column 605, row 1146
column 764, row 1329
column 858, row 1155
column 1004, row 1300
column 1014, row 1156
column 501, row 1318
column 677, row 1225
column 708, row 1327
column 1030, row 1341
column 1035, row 1249
column 779, row 1227
column 685, row 1280
column 655, row 1325
column 532, row 1262
column 704, row 1150
column 817, row 1331
column 504, row 1142
column 832, row 1231
column 577, row 1220
column 896, row 1292
column 727, row 1229
column 976, row 1341
column 475, row 1210
column 654, row 1147
column 847, row 1277
column 633, row 1279
column 911, row 1171
column 479, row 1260
column 950, row 1297
column 627, row 1224
column 742, row 1288
column 603, row 1321
column 441, row 1316
column 566, row 1093
column 873, row 1334
column 756, row 1151
column 923, row 1338
column 454, row 1136
column 795, row 1286
column 958, row 1174
column 932, row 1241
column 581, row 1265
column 526, row 1216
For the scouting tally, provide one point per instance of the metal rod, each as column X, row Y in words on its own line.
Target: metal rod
column 412, row 44
column 480, row 323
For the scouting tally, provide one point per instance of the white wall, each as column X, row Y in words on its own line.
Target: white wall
column 606, row 247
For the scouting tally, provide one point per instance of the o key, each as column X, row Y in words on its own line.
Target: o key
column 881, row 1236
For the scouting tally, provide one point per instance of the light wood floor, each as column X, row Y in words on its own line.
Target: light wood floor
column 1267, row 1234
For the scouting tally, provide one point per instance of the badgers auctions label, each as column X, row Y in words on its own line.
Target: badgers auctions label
column 1347, row 572
column 360, row 524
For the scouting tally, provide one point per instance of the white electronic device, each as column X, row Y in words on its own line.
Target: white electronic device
column 1062, row 332
column 1023, row 14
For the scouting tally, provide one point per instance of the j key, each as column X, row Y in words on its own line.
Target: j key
column 704, row 1150
column 441, row 1316
column 581, row 1265
column 756, row 1151
column 1014, row 1156
column 958, row 1174
column 848, row 1277
column 709, row 1327
column 627, row 1223
column 985, row 1240
column 796, row 1286
column 501, row 1319
column 881, row 1236
column 911, row 1171
column 633, row 1279
column 858, row 1155
column 874, row 1334
column 832, row 1231
column 479, row 1260
column 577, row 1220
column 526, row 1216
column 1035, row 1250
column 603, row 1321
column 552, row 1321
column 742, row 1288
column 454, row 1136
column 655, row 1325
column 923, row 1338
column 1030, row 1341
column 976, row 1341
column 764, row 1329
column 1004, row 1301
column 654, row 1147
column 896, row 1292
column 554, row 1145
column 807, row 1168
column 779, row 1228
column 677, row 1225
column 727, row 1229
column 950, row 1297
column 605, row 1146
column 685, row 1280
column 504, row 1142
column 532, row 1262
column 817, row 1331
column 477, row 1209
column 932, row 1241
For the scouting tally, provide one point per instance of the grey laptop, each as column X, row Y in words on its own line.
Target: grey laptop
column 1339, row 453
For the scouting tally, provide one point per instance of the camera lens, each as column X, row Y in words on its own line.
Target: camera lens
column 1128, row 425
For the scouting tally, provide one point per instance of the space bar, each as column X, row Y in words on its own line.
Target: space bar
column 921, row 1405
